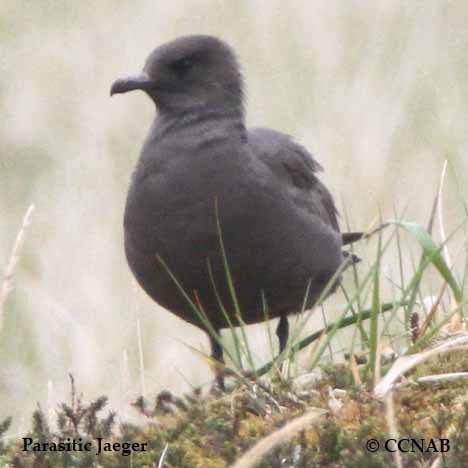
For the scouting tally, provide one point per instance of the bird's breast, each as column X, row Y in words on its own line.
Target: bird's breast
column 175, row 203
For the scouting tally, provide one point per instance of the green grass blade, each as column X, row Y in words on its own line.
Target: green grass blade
column 200, row 313
column 236, row 340
column 433, row 254
column 231, row 286
column 340, row 323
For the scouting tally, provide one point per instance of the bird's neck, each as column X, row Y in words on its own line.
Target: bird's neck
column 201, row 121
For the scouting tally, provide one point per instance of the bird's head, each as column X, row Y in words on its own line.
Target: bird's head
column 189, row 73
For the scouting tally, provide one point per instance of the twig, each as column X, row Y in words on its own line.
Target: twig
column 163, row 456
column 405, row 363
column 392, row 426
column 254, row 455
column 442, row 377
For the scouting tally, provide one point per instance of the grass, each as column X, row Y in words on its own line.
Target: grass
column 377, row 91
column 323, row 409
column 6, row 285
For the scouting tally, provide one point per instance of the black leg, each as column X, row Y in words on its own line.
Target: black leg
column 217, row 354
column 282, row 332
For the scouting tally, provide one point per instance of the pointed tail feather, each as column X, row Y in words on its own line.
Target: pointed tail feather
column 353, row 259
column 350, row 237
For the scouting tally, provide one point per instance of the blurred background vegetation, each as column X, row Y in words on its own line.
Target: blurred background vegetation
column 378, row 91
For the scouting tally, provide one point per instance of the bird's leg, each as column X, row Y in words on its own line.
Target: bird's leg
column 282, row 332
column 217, row 355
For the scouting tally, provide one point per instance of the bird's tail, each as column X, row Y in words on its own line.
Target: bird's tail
column 350, row 258
column 350, row 237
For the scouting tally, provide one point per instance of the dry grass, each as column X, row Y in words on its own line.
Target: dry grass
column 376, row 90
column 7, row 283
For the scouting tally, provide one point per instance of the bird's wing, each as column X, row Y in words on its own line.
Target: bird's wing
column 294, row 165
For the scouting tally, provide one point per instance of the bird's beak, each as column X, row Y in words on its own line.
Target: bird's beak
column 141, row 81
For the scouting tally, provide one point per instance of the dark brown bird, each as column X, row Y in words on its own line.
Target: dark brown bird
column 202, row 173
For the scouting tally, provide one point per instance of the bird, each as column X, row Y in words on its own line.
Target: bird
column 222, row 222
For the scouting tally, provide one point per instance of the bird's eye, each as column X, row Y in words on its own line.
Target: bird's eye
column 182, row 66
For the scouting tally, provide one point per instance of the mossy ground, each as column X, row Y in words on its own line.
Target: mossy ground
column 212, row 432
